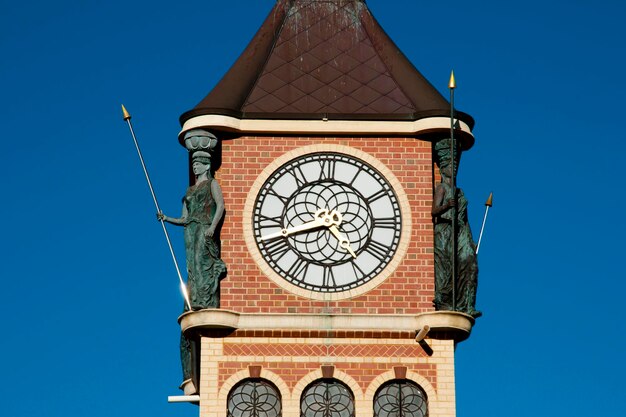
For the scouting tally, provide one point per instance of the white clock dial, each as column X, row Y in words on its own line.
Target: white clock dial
column 327, row 222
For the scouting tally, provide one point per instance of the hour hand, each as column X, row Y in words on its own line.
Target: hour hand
column 313, row 224
column 343, row 241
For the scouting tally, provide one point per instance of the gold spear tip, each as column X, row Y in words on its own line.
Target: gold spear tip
column 489, row 201
column 452, row 83
column 126, row 113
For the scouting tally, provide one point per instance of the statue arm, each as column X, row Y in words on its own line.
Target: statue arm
column 181, row 221
column 439, row 206
column 218, row 197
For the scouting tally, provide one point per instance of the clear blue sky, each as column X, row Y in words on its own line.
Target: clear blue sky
column 89, row 297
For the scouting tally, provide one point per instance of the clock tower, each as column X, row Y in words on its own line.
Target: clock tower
column 326, row 160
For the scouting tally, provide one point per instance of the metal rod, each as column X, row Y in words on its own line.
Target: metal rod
column 488, row 204
column 452, row 86
column 183, row 399
column 423, row 332
column 183, row 287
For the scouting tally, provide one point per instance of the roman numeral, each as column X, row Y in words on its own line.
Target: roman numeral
column 329, row 277
column 358, row 272
column 265, row 221
column 298, row 269
column 379, row 194
column 355, row 177
column 277, row 248
column 327, row 168
column 378, row 250
column 274, row 193
column 385, row 222
column 298, row 175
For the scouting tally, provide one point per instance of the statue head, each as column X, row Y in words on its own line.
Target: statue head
column 200, row 162
column 200, row 140
column 443, row 156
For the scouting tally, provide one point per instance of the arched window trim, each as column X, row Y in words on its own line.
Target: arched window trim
column 265, row 404
column 328, row 400
column 385, row 408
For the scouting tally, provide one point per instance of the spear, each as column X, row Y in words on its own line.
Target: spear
column 452, row 86
column 183, row 287
column 488, row 203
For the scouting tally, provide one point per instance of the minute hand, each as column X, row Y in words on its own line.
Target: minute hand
column 313, row 224
column 343, row 241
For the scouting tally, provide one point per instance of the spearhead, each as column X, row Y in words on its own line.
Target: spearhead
column 125, row 113
column 489, row 202
column 452, row 83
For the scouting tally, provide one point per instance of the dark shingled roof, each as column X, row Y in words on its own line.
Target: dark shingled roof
column 323, row 58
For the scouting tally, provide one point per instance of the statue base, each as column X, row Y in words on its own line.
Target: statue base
column 188, row 387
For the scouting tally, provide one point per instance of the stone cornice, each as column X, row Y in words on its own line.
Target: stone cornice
column 427, row 125
column 458, row 325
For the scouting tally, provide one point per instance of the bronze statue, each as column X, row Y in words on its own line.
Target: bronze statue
column 467, row 265
column 203, row 210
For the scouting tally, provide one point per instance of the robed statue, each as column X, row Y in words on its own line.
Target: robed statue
column 453, row 294
column 203, row 210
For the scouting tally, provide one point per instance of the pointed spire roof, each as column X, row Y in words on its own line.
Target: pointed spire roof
column 316, row 59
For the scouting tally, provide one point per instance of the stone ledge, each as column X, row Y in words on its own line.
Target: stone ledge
column 447, row 324
column 325, row 127
column 443, row 324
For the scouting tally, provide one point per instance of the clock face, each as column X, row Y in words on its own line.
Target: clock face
column 327, row 222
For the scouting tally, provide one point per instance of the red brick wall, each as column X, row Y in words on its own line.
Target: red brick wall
column 292, row 372
column 409, row 290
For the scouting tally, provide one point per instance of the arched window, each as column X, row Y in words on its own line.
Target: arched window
column 327, row 398
column 400, row 398
column 254, row 397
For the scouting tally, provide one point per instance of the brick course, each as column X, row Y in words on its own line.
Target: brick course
column 329, row 350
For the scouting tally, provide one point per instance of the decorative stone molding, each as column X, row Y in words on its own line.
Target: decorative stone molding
column 325, row 127
column 209, row 318
column 327, row 371
column 443, row 324
column 400, row 372
column 255, row 371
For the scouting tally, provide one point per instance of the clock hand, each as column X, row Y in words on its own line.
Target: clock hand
column 343, row 241
column 334, row 218
column 313, row 224
column 322, row 218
